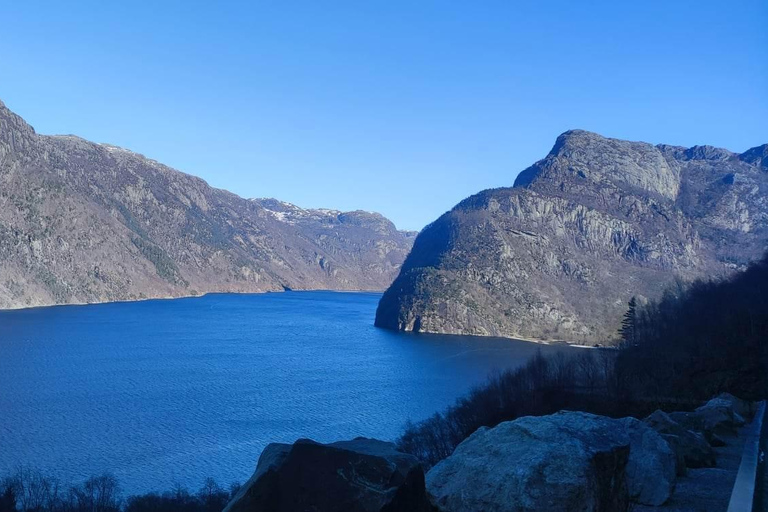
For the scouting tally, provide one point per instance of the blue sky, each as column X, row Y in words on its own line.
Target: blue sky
column 399, row 107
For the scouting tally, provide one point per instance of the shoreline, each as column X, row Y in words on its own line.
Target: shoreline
column 173, row 297
column 529, row 340
column 294, row 290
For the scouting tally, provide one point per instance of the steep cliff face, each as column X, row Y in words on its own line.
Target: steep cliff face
column 598, row 220
column 86, row 222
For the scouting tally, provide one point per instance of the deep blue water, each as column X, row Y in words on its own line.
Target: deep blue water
column 170, row 392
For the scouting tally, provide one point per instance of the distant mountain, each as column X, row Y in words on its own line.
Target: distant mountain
column 87, row 222
column 558, row 255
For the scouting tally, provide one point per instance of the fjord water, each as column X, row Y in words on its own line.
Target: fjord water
column 169, row 392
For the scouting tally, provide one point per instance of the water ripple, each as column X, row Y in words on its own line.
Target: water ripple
column 170, row 392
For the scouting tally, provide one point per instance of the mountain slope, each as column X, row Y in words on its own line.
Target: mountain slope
column 598, row 220
column 86, row 222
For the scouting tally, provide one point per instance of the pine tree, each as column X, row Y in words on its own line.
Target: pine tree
column 628, row 330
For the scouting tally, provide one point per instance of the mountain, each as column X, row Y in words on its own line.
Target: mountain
column 597, row 221
column 87, row 222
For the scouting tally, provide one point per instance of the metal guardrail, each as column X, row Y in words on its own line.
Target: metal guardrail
column 743, row 495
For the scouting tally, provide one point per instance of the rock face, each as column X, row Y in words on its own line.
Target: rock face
column 594, row 223
column 363, row 475
column 86, row 222
column 566, row 461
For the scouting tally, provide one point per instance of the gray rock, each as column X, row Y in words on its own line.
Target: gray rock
column 363, row 475
column 718, row 417
column 713, row 420
column 743, row 408
column 567, row 461
column 689, row 445
column 652, row 468
column 597, row 221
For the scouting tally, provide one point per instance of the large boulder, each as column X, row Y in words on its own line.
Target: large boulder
column 743, row 408
column 652, row 467
column 690, row 446
column 567, row 461
column 363, row 475
column 719, row 416
column 716, row 418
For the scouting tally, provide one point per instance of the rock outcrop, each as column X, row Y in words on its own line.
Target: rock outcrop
column 599, row 220
column 363, row 475
column 566, row 461
column 87, row 222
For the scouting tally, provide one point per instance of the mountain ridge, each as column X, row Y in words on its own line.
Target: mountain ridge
column 84, row 222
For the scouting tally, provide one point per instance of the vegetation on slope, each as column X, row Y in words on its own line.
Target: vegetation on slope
column 702, row 339
column 29, row 490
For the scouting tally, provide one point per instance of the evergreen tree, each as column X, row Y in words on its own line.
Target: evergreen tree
column 628, row 330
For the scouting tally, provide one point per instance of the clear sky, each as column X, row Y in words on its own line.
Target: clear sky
column 401, row 107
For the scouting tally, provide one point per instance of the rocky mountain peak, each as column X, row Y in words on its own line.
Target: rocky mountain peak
column 707, row 153
column 574, row 139
column 15, row 133
column 292, row 214
column 580, row 155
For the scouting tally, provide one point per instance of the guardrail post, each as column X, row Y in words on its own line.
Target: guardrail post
column 743, row 495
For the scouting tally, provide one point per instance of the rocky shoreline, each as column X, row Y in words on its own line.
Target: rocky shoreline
column 565, row 461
